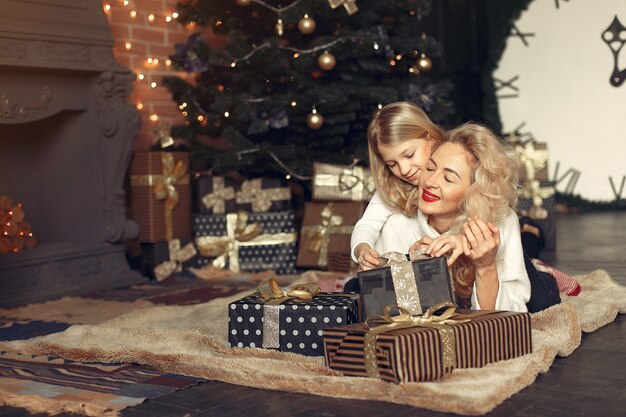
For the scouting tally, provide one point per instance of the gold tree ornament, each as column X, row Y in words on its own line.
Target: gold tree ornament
column 424, row 63
column 326, row 61
column 243, row 3
column 306, row 25
column 280, row 27
column 315, row 120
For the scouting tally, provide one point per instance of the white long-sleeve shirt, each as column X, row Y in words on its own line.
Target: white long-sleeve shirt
column 514, row 288
column 386, row 230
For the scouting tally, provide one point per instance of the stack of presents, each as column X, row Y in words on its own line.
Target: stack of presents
column 402, row 327
column 536, row 192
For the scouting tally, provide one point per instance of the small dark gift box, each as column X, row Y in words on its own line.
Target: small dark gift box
column 262, row 195
column 161, row 259
column 212, row 194
column 289, row 324
column 414, row 285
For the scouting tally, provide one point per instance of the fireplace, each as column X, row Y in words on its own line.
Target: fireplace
column 66, row 138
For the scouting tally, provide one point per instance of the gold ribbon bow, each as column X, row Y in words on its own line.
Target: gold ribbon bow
column 239, row 233
column 533, row 159
column 534, row 190
column 274, row 296
column 252, row 192
column 217, row 198
column 177, row 256
column 174, row 173
column 349, row 5
column 319, row 235
column 355, row 180
column 377, row 324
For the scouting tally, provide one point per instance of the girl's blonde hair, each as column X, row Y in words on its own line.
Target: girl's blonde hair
column 394, row 124
column 492, row 192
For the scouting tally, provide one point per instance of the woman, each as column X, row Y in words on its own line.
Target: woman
column 469, row 188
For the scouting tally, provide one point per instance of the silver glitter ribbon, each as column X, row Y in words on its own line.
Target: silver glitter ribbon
column 404, row 281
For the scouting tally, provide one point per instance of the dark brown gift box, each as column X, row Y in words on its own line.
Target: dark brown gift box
column 325, row 223
column 415, row 354
column 148, row 211
column 541, row 174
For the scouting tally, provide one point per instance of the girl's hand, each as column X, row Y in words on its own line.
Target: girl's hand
column 368, row 257
column 420, row 245
column 480, row 243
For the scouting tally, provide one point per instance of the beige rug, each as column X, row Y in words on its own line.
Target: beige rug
column 193, row 340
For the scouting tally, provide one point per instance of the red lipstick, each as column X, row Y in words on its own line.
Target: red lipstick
column 429, row 197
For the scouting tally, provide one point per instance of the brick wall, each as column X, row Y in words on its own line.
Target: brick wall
column 145, row 32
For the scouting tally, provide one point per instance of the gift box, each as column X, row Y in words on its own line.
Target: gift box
column 212, row 194
column 533, row 161
column 261, row 195
column 342, row 182
column 161, row 195
column 415, row 285
column 250, row 242
column 289, row 324
column 326, row 230
column 412, row 349
column 536, row 198
column 161, row 259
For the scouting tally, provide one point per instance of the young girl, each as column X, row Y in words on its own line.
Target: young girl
column 469, row 187
column 400, row 140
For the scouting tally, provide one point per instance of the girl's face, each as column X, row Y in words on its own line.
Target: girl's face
column 447, row 176
column 407, row 159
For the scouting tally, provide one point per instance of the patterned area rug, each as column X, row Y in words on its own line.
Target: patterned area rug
column 191, row 339
column 53, row 384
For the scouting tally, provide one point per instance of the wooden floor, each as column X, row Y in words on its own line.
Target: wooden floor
column 589, row 382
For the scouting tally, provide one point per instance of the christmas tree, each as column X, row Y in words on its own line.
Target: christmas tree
column 299, row 82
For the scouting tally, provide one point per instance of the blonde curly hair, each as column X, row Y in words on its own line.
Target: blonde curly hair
column 394, row 124
column 492, row 192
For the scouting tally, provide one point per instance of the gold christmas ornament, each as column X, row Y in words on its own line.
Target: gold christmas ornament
column 326, row 61
column 306, row 25
column 243, row 3
column 424, row 63
column 315, row 120
column 280, row 27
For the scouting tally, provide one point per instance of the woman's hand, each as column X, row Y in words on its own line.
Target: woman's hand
column 367, row 257
column 452, row 245
column 480, row 242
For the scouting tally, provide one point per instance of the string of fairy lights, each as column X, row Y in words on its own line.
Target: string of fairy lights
column 306, row 25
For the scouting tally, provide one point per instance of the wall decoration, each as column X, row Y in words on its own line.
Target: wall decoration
column 556, row 3
column 573, row 175
column 615, row 37
column 618, row 195
column 556, row 82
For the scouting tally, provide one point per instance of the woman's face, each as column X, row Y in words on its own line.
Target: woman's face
column 407, row 159
column 447, row 176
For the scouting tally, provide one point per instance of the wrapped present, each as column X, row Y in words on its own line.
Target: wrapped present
column 533, row 160
column 250, row 242
column 536, row 199
column 212, row 194
column 407, row 348
column 161, row 195
column 342, row 182
column 162, row 259
column 290, row 320
column 261, row 195
column 322, row 226
column 413, row 282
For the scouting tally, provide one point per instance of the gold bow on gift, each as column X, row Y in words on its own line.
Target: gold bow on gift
column 377, row 324
column 177, row 256
column 274, row 296
column 174, row 173
column 239, row 233
column 534, row 190
column 533, row 159
column 217, row 198
column 355, row 180
column 252, row 192
column 319, row 235
column 350, row 5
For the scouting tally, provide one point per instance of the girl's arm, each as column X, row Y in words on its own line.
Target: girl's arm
column 367, row 230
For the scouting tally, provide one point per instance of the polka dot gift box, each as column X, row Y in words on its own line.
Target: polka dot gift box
column 294, row 325
column 250, row 242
